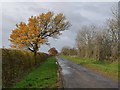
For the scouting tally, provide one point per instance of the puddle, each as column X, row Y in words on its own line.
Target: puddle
column 68, row 67
column 65, row 68
column 65, row 71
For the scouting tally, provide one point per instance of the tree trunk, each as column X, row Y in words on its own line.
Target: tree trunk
column 35, row 56
column 35, row 53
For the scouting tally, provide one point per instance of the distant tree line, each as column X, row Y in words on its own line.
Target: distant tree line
column 68, row 51
column 96, row 42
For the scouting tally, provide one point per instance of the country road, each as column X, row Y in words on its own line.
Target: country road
column 76, row 76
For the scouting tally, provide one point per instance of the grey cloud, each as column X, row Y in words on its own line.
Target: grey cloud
column 77, row 13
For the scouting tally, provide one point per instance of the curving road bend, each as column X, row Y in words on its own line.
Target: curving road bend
column 76, row 76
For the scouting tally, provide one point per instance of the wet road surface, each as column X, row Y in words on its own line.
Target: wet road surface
column 76, row 76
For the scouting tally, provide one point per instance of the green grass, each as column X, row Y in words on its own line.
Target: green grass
column 109, row 69
column 45, row 76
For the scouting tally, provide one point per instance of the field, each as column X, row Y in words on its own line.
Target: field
column 108, row 69
column 45, row 76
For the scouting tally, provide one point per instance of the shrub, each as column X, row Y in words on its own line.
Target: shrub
column 17, row 63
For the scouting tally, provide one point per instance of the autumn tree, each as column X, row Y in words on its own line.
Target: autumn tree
column 85, row 40
column 53, row 51
column 103, row 44
column 113, row 30
column 118, row 30
column 37, row 30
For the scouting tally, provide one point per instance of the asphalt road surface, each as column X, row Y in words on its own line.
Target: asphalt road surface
column 76, row 76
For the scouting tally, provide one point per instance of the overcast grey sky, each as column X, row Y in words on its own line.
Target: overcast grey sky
column 79, row 13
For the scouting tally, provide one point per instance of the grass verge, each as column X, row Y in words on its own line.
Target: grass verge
column 103, row 67
column 45, row 76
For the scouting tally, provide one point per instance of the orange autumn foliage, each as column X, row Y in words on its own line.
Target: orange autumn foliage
column 36, row 32
column 53, row 51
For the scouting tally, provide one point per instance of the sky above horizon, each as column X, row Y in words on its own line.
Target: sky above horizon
column 78, row 13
